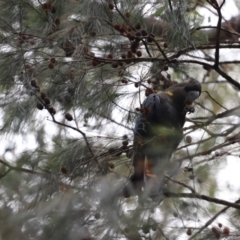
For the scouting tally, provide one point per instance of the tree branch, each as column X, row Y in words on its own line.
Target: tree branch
column 203, row 197
column 18, row 169
column 211, row 220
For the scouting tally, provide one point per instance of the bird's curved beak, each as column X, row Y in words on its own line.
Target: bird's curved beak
column 192, row 96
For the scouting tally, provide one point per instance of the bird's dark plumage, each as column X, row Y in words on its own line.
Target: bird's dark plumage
column 158, row 131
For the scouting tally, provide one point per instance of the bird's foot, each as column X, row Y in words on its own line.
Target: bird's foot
column 189, row 108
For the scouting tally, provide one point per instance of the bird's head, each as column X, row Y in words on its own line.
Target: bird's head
column 184, row 94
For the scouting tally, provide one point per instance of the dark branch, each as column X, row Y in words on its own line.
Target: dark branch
column 203, row 197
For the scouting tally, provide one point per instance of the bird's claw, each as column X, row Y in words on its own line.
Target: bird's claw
column 189, row 109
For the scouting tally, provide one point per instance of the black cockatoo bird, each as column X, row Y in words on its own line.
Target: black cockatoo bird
column 158, row 132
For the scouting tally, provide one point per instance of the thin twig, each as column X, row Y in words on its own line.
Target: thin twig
column 218, row 34
column 203, row 197
column 19, row 169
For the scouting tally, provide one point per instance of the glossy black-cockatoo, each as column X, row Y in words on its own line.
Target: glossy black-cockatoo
column 158, row 132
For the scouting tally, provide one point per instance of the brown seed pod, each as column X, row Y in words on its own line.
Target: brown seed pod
column 139, row 53
column 51, row 65
column 32, row 42
column 144, row 32
column 137, row 109
column 175, row 214
column 111, row 165
column 117, row 27
column 129, row 54
column 57, row 21
column 125, row 142
column 138, row 34
column 148, row 91
column 134, row 46
column 111, row 6
column 111, row 150
column 188, row 139
column 49, row 5
column 136, row 84
column 149, row 80
column 188, row 169
column 34, row 83
column 122, row 29
column 53, row 60
column 127, row 14
column 47, row 100
column 123, row 55
column 219, row 225
column 125, row 136
column 110, row 56
column 191, row 177
column 138, row 26
column 43, row 95
column 121, row 64
column 52, row 110
column 226, row 231
column 216, row 232
column 97, row 215
column 39, row 106
column 165, row 68
column 130, row 36
column 138, row 39
column 124, row 80
column 150, row 37
column 189, row 231
column 64, row 170
column 68, row 116
column 95, row 63
column 114, row 65
column 165, row 45
column 27, row 66
column 44, row 5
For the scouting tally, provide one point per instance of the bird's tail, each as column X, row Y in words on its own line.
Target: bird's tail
column 153, row 182
column 135, row 184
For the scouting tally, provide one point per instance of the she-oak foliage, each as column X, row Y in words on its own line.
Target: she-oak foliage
column 72, row 74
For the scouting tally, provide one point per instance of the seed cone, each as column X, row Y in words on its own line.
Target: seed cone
column 68, row 116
